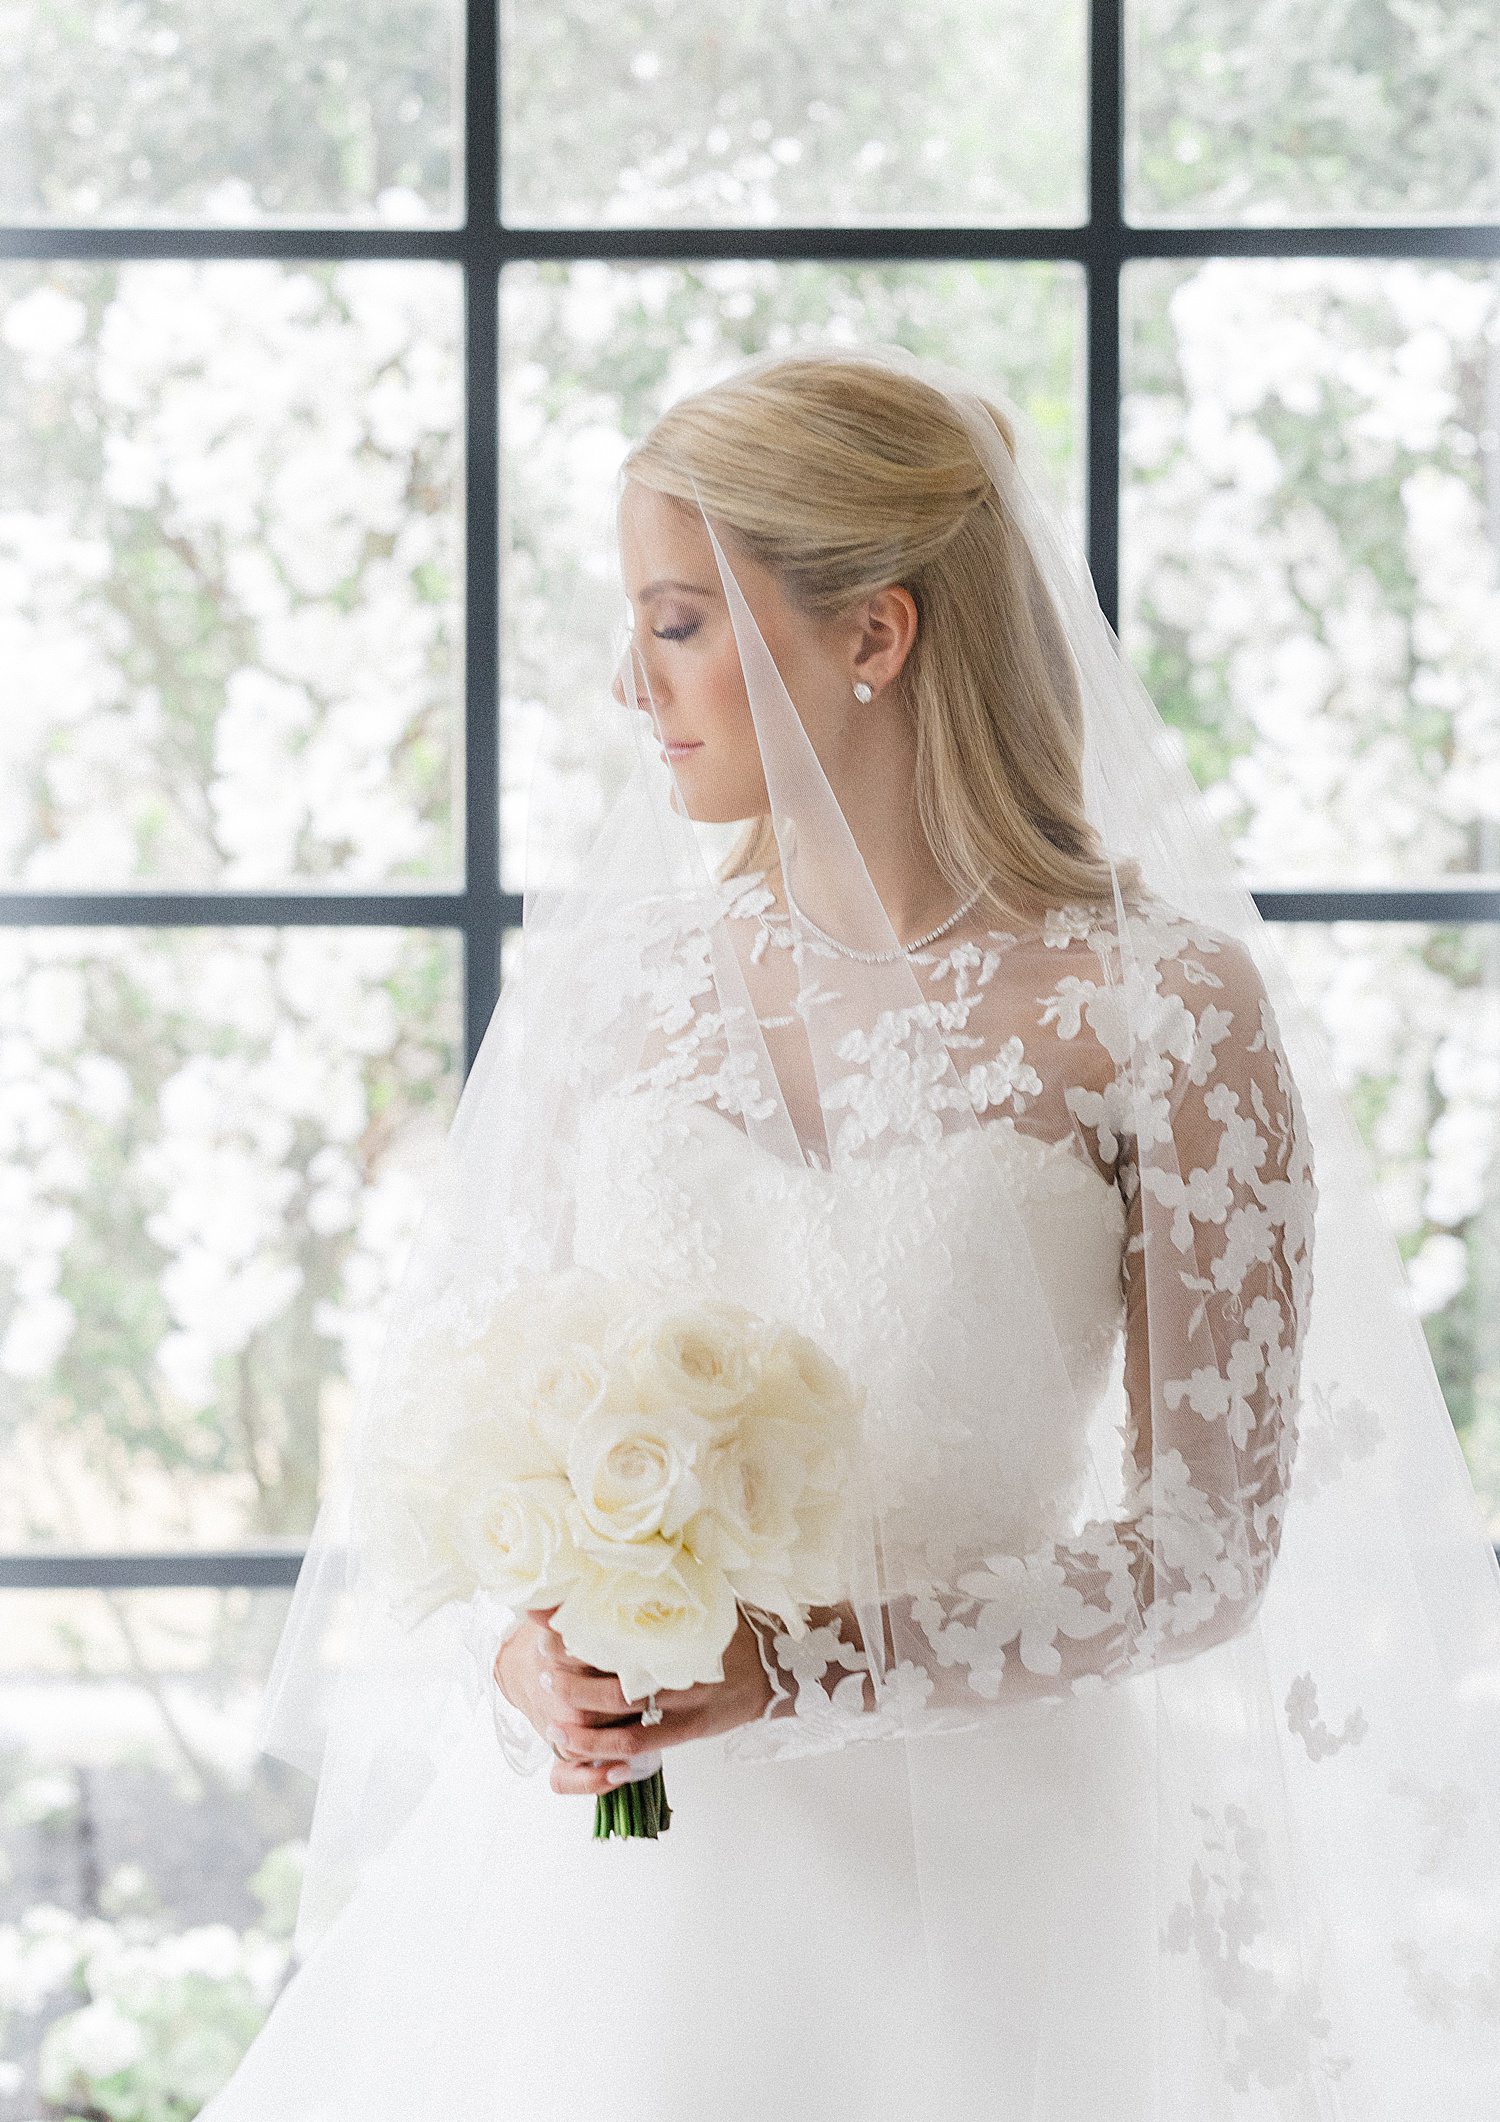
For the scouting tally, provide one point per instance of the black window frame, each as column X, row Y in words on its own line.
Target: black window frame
column 483, row 246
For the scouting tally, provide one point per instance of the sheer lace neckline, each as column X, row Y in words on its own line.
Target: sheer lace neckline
column 1057, row 923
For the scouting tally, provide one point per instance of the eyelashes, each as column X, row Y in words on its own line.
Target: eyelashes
column 674, row 633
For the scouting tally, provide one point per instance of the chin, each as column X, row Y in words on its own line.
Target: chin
column 708, row 806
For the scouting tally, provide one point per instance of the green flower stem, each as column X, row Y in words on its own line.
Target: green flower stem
column 633, row 1809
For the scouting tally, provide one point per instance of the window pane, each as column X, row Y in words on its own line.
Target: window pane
column 243, row 111
column 136, row 1815
column 1300, row 113
column 814, row 114
column 1411, row 1014
column 214, row 1145
column 230, row 573
column 590, row 355
column 1310, row 580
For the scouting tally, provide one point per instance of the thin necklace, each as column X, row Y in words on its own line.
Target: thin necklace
column 884, row 957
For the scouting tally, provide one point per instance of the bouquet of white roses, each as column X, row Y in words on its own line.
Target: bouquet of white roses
column 642, row 1463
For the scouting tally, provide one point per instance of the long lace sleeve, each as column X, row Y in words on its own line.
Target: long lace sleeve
column 1216, row 1282
column 487, row 1624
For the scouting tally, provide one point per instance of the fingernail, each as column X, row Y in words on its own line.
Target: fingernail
column 555, row 1734
column 545, row 1680
column 617, row 1774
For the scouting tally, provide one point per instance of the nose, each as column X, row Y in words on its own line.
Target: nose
column 642, row 698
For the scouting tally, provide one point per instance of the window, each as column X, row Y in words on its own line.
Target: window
column 285, row 398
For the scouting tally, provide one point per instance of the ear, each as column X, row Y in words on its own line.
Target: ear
column 883, row 633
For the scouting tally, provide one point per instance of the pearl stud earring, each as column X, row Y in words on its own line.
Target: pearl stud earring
column 862, row 691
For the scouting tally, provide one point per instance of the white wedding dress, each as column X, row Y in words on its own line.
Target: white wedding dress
column 477, row 1974
column 778, row 1968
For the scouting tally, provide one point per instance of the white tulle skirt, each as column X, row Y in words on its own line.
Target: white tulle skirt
column 765, row 1960
column 834, row 1939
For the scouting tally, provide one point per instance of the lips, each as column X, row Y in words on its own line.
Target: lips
column 675, row 747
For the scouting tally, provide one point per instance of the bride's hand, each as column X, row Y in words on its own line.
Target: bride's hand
column 583, row 1714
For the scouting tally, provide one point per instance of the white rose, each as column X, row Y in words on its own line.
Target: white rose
column 399, row 1518
column 705, row 1355
column 819, row 1570
column 752, row 1481
column 665, row 1628
column 519, row 1434
column 567, row 1304
column 776, row 1490
column 635, row 1473
column 801, row 1381
column 533, row 1320
column 515, row 1539
column 557, row 1392
column 588, row 1303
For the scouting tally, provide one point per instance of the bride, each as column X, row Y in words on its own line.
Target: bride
column 1140, row 1760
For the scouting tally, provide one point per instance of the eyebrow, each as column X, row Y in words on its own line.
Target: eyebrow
column 654, row 589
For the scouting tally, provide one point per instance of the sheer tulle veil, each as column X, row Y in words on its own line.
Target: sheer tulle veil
column 1244, row 1589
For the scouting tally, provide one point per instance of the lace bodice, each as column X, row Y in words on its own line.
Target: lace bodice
column 1038, row 1586
column 871, row 1266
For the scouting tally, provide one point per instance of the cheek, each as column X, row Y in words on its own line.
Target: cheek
column 728, row 704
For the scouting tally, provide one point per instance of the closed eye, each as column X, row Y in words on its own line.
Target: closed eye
column 674, row 633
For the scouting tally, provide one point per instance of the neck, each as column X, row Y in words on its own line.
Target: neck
column 914, row 892
column 877, row 798
column 917, row 897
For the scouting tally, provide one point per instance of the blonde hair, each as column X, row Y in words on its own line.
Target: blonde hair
column 841, row 476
